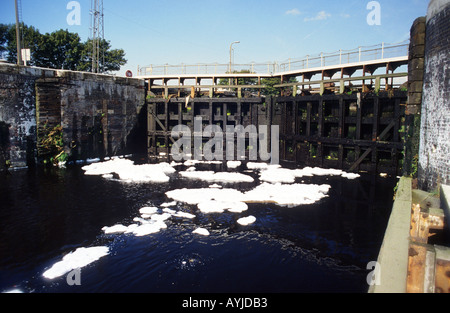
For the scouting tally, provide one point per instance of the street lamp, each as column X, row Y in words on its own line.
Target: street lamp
column 231, row 48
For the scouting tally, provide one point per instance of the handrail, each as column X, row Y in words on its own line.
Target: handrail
column 341, row 57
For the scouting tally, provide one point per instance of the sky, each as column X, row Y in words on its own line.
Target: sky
column 201, row 31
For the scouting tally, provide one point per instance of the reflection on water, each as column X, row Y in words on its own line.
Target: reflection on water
column 323, row 247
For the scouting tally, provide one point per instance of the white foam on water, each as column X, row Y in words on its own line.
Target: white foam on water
column 168, row 204
column 148, row 210
column 283, row 175
column 127, row 171
column 214, row 206
column 287, row 195
column 215, row 186
column 13, row 291
column 278, row 175
column 184, row 215
column 170, row 211
column 233, row 164
column 161, row 217
column 76, row 259
column 246, row 220
column 212, row 176
column 201, row 231
column 211, row 200
column 351, row 175
column 131, row 228
column 194, row 162
column 116, row 229
column 195, row 196
column 150, row 228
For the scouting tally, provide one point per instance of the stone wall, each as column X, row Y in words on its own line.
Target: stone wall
column 17, row 115
column 97, row 112
column 434, row 154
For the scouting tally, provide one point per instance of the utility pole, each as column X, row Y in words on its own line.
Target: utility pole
column 19, row 45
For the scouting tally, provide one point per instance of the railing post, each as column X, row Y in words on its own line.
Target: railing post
column 340, row 56
column 321, row 59
column 307, row 61
column 359, row 60
column 382, row 51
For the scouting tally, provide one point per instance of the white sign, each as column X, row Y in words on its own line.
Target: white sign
column 26, row 55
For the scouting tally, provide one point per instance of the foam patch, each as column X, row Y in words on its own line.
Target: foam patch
column 116, row 229
column 246, row 220
column 201, row 231
column 77, row 259
column 223, row 177
column 274, row 174
column 127, row 171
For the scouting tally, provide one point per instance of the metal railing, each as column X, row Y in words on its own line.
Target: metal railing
column 341, row 57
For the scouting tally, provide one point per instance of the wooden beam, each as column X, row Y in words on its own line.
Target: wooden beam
column 358, row 162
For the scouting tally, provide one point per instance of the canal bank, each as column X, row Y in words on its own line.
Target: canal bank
column 415, row 255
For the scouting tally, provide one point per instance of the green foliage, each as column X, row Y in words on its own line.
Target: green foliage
column 59, row 50
column 270, row 90
column 111, row 61
column 52, row 145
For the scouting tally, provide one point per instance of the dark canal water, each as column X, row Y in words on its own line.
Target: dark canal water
column 322, row 247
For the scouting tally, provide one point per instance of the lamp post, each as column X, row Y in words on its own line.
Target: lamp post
column 231, row 49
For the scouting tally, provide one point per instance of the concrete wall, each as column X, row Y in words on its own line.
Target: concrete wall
column 97, row 112
column 434, row 153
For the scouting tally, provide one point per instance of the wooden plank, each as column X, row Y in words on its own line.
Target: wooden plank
column 308, row 118
column 376, row 118
column 358, row 162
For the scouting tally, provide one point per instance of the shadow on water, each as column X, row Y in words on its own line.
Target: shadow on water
column 324, row 247
column 4, row 143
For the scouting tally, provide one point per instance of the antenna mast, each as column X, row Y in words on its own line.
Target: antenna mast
column 98, row 34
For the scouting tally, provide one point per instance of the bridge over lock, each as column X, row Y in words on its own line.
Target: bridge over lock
column 375, row 68
column 341, row 110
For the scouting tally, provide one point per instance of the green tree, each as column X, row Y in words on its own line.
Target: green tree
column 3, row 38
column 109, row 61
column 31, row 39
column 59, row 50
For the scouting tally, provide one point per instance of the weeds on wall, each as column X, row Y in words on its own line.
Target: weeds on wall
column 52, row 145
